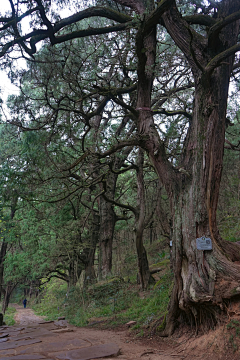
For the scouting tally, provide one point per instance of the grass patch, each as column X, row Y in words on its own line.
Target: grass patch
column 9, row 316
column 146, row 310
column 52, row 300
column 115, row 301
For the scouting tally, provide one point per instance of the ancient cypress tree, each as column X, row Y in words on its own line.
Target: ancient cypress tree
column 208, row 38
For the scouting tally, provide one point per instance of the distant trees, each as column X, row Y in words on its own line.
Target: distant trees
column 88, row 177
column 132, row 90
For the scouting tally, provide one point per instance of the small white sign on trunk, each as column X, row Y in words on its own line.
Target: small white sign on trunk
column 204, row 243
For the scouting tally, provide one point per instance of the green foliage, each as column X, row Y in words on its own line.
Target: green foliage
column 18, row 294
column 52, row 300
column 162, row 254
column 162, row 325
column 115, row 301
column 103, row 291
column 229, row 200
column 64, row 94
column 9, row 316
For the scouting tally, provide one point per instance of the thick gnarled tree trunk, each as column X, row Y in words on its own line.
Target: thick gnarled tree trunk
column 6, row 290
column 107, row 225
column 108, row 217
column 7, row 295
column 143, row 267
column 90, row 275
column 2, row 258
column 202, row 279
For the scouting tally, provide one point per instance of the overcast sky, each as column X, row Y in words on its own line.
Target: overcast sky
column 6, row 87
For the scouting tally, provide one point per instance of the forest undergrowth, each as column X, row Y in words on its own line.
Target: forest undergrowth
column 112, row 303
column 109, row 303
column 9, row 316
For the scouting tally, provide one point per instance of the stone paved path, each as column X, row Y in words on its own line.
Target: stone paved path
column 35, row 339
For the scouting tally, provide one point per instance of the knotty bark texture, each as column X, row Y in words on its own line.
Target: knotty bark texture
column 3, row 252
column 203, row 280
column 6, row 288
column 143, row 267
column 90, row 276
column 107, row 221
column 108, row 217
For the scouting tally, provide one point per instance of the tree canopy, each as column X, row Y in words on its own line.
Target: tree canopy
column 114, row 80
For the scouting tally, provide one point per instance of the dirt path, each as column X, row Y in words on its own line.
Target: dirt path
column 32, row 338
column 26, row 316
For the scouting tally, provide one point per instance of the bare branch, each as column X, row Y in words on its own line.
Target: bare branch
column 200, row 20
column 10, row 21
column 236, row 65
column 172, row 113
column 123, row 206
column 217, row 60
column 93, row 11
column 77, row 34
column 121, row 145
column 77, row 162
column 118, row 172
column 186, row 38
column 136, row 5
column 155, row 16
column 231, row 146
column 39, row 35
column 217, row 27
column 125, row 106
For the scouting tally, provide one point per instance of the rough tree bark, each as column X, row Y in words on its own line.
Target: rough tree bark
column 143, row 267
column 144, row 274
column 7, row 295
column 108, row 217
column 2, row 257
column 72, row 272
column 9, row 288
column 90, row 276
column 202, row 279
column 75, row 263
column 107, row 225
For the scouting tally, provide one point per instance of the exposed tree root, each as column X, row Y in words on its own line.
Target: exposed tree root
column 200, row 318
